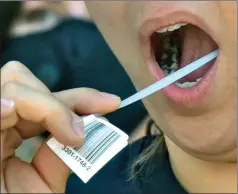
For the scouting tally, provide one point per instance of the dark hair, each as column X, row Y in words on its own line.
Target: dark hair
column 8, row 12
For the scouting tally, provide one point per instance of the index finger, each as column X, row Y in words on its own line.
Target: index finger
column 16, row 71
column 44, row 109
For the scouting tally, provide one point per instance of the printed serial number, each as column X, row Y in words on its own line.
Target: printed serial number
column 76, row 158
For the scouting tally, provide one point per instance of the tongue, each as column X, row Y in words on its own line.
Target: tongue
column 195, row 44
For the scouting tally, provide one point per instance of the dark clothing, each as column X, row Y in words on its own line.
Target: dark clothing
column 9, row 10
column 114, row 178
column 74, row 54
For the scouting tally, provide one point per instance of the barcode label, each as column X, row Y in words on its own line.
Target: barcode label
column 102, row 142
column 98, row 138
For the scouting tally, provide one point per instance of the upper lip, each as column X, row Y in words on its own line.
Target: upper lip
column 155, row 22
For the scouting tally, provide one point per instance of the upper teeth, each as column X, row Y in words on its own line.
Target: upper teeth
column 171, row 28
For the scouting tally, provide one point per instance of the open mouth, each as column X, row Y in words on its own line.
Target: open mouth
column 175, row 46
column 178, row 45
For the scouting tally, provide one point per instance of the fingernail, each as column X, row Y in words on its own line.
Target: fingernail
column 107, row 95
column 78, row 125
column 6, row 103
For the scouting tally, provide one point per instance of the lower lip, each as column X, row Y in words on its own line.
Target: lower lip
column 188, row 97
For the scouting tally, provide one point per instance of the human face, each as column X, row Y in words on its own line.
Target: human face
column 200, row 119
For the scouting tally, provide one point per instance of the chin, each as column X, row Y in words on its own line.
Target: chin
column 204, row 141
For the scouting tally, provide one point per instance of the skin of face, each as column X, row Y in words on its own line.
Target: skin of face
column 207, row 131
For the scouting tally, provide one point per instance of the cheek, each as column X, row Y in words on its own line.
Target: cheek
column 229, row 11
column 105, row 13
column 109, row 19
column 113, row 20
column 229, row 27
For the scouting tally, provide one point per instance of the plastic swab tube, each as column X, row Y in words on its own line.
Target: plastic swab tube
column 169, row 79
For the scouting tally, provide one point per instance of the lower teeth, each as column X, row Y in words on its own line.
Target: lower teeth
column 187, row 84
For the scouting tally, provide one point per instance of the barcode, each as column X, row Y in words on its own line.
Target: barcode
column 102, row 142
column 99, row 138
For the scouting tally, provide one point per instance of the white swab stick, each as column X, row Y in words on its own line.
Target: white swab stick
column 169, row 79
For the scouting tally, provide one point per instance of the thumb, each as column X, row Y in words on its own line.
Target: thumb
column 85, row 101
column 51, row 169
